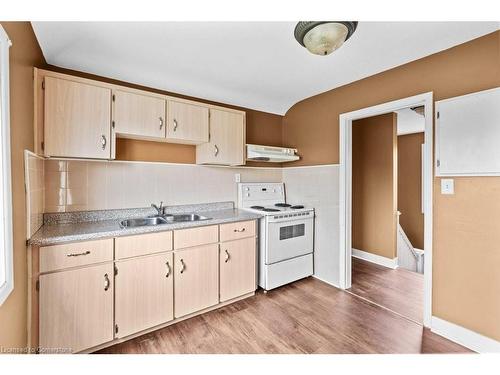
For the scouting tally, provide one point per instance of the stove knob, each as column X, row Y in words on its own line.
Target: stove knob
column 247, row 188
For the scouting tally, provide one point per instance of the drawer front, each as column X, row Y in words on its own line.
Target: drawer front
column 195, row 236
column 234, row 231
column 76, row 254
column 142, row 244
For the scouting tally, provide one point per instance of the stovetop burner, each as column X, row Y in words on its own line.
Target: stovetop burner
column 257, row 207
column 270, row 210
column 283, row 205
column 297, row 207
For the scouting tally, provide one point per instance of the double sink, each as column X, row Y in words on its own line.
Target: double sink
column 161, row 219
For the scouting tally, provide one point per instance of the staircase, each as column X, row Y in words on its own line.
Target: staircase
column 408, row 257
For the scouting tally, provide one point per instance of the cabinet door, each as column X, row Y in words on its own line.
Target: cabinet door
column 196, row 283
column 139, row 115
column 237, row 268
column 76, row 308
column 187, row 123
column 143, row 293
column 77, row 119
column 227, row 139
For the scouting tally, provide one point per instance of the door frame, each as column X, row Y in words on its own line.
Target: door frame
column 345, row 188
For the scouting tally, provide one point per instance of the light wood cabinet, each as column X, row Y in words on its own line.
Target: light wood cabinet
column 187, row 123
column 84, row 295
column 227, row 139
column 58, row 257
column 143, row 293
column 77, row 119
column 237, row 268
column 139, row 115
column 142, row 244
column 196, row 236
column 196, row 284
column 76, row 308
column 235, row 231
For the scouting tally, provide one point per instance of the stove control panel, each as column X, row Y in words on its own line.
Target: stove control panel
column 250, row 194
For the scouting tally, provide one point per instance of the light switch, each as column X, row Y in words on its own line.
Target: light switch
column 447, row 186
column 237, row 177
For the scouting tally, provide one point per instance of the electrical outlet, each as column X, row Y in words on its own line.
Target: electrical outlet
column 237, row 177
column 447, row 186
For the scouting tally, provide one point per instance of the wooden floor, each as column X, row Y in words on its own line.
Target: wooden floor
column 307, row 316
column 399, row 290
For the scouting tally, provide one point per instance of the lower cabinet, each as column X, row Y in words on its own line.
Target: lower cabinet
column 237, row 268
column 143, row 293
column 196, row 283
column 76, row 308
column 95, row 292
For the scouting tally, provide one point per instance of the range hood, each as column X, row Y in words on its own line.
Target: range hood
column 271, row 154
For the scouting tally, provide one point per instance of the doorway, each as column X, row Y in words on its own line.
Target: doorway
column 424, row 103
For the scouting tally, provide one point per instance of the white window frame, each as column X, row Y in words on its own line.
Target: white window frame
column 6, row 243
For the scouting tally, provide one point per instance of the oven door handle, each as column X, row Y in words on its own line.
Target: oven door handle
column 290, row 219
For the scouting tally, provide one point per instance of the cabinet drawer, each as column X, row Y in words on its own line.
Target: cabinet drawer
column 76, row 254
column 195, row 236
column 142, row 244
column 234, row 231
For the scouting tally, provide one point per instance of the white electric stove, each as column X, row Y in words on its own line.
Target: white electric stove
column 286, row 233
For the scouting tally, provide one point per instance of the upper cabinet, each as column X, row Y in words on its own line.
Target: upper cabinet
column 467, row 134
column 81, row 118
column 187, row 123
column 76, row 119
column 138, row 115
column 226, row 144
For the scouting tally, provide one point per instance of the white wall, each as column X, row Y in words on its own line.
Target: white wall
column 318, row 187
column 95, row 185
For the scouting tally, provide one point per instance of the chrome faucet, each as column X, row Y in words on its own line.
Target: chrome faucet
column 159, row 209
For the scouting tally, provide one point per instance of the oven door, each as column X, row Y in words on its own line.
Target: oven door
column 289, row 239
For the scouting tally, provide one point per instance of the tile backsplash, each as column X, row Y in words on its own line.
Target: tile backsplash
column 96, row 185
column 35, row 191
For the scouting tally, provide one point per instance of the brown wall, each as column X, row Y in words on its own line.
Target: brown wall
column 466, row 255
column 261, row 128
column 410, row 187
column 24, row 54
column 374, row 185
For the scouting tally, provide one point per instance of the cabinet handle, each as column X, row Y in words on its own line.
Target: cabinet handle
column 175, row 124
column 183, row 266
column 168, row 269
column 227, row 256
column 78, row 254
column 107, row 283
column 239, row 230
column 161, row 123
column 103, row 141
column 216, row 150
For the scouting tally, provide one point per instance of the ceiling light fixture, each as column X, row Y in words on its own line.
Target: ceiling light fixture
column 323, row 37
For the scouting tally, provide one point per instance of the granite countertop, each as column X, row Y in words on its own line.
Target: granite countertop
column 73, row 227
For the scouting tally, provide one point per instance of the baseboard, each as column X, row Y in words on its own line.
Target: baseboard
column 377, row 259
column 464, row 336
column 327, row 282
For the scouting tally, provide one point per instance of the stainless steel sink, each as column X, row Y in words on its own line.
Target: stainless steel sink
column 143, row 222
column 185, row 217
column 159, row 220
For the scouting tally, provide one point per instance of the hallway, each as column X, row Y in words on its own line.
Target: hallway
column 399, row 290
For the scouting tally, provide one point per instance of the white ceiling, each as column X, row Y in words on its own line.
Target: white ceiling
column 410, row 122
column 257, row 65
